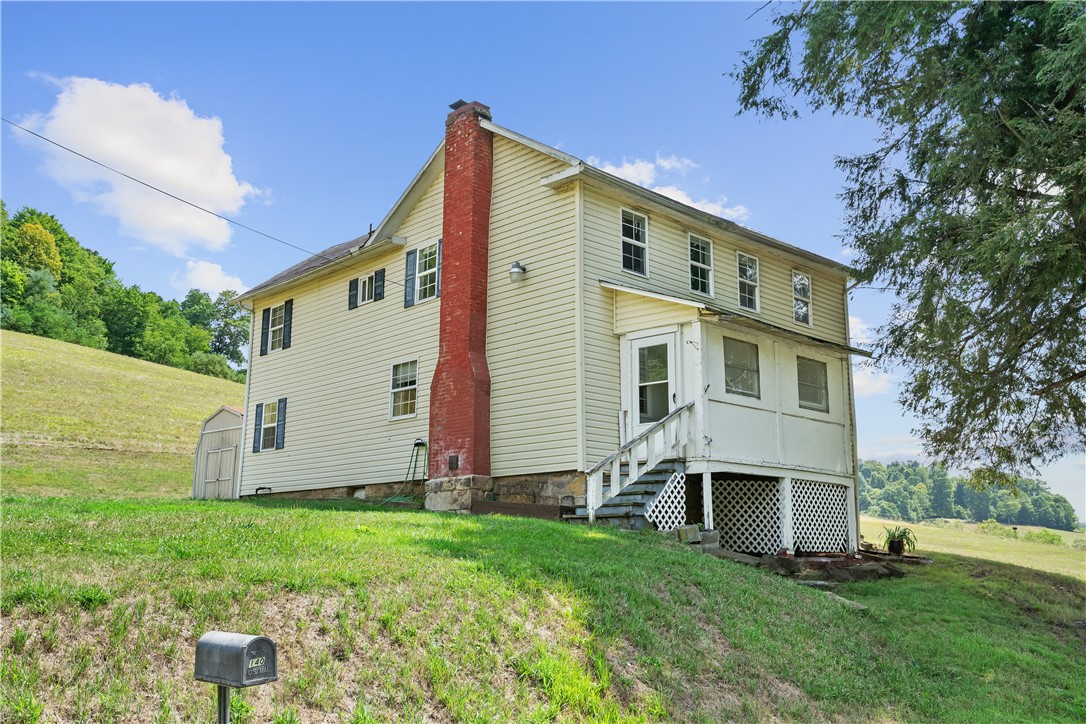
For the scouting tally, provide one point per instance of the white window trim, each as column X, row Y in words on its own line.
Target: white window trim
column 739, row 281
column 809, row 299
column 392, row 391
column 365, row 282
column 419, row 274
column 709, row 243
column 623, row 239
column 264, row 424
column 799, row 384
column 272, row 327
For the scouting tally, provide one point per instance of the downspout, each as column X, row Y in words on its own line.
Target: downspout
column 852, row 414
column 245, row 408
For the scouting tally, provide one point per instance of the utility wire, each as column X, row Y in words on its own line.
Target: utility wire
column 167, row 193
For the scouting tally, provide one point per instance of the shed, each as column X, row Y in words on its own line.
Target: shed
column 215, row 473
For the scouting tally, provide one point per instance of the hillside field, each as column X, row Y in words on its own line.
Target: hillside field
column 109, row 575
column 85, row 422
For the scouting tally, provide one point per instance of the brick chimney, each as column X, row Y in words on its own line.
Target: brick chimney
column 459, row 451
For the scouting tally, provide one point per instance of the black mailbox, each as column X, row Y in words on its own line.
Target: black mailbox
column 233, row 659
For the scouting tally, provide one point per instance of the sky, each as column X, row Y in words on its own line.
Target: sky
column 306, row 121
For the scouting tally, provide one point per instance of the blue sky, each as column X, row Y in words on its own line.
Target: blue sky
column 307, row 121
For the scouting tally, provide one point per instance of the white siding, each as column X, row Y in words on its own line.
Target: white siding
column 668, row 273
column 336, row 374
column 531, row 332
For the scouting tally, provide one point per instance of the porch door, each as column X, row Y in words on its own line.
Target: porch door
column 652, row 385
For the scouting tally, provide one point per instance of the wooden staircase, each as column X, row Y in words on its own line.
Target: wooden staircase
column 627, row 509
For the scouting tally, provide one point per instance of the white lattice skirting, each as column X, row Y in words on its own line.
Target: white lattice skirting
column 748, row 514
column 819, row 516
column 668, row 510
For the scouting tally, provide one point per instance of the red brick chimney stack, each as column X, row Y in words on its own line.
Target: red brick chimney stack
column 460, row 393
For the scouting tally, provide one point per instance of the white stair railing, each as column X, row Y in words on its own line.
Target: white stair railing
column 668, row 438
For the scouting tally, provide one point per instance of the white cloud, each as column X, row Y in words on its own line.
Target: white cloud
column 208, row 277
column 637, row 171
column 846, row 252
column 905, row 447
column 859, row 331
column 675, row 163
column 644, row 173
column 716, row 208
column 158, row 140
column 868, row 381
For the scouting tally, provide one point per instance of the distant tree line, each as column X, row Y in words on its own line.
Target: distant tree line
column 911, row 492
column 53, row 286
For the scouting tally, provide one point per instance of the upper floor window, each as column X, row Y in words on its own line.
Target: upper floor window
column 634, row 242
column 801, row 298
column 748, row 282
column 427, row 275
column 813, row 384
column 275, row 327
column 741, row 368
column 366, row 289
column 701, row 265
column 404, row 392
column 422, row 280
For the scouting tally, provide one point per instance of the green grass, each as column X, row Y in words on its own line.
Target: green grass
column 966, row 540
column 109, row 576
column 410, row 615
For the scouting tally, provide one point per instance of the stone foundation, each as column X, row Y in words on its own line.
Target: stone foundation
column 456, row 493
column 382, row 491
column 318, row 494
column 566, row 488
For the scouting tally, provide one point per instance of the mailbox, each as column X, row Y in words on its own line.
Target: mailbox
column 233, row 659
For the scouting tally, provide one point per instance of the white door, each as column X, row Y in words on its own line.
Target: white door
column 653, row 391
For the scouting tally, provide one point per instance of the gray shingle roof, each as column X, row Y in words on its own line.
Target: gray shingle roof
column 328, row 256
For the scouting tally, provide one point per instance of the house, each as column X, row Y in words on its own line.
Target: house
column 524, row 327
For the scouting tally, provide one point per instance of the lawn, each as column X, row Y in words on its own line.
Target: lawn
column 417, row 616
column 109, row 576
column 965, row 539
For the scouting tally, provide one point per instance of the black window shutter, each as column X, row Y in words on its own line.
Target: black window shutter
column 288, row 311
column 439, row 267
column 281, row 423
column 258, row 418
column 265, row 326
column 409, row 280
column 352, row 294
column 378, row 284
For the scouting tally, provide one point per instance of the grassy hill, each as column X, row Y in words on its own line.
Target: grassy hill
column 80, row 421
column 413, row 616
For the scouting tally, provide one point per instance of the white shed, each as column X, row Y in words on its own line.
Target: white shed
column 215, row 473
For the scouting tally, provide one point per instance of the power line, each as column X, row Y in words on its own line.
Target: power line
column 166, row 193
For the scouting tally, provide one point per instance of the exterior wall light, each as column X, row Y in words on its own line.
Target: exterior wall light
column 517, row 272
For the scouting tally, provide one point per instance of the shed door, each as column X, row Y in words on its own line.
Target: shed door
column 219, row 473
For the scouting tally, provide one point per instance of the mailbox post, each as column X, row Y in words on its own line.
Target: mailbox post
column 233, row 660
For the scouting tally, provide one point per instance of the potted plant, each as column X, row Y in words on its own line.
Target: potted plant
column 898, row 538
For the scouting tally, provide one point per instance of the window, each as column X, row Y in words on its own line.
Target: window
column 634, row 243
column 652, row 383
column 270, row 422
column 748, row 282
column 426, row 279
column 366, row 289
column 813, row 387
column 701, row 265
column 741, row 368
column 275, row 327
column 801, row 298
column 423, row 277
column 405, row 384
column 267, row 432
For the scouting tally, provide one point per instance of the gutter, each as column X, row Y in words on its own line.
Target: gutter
column 245, row 405
column 362, row 251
